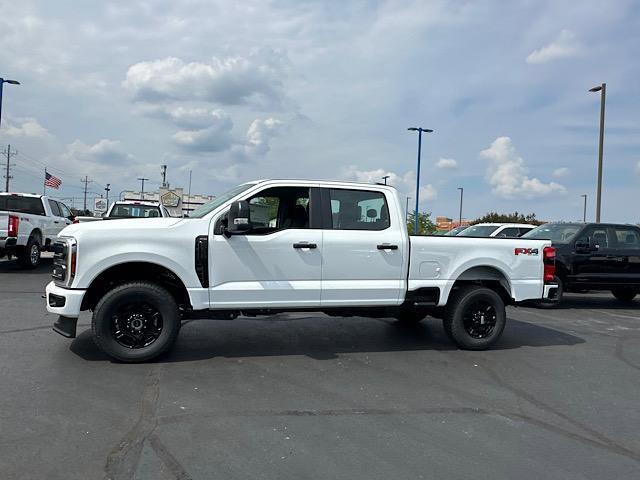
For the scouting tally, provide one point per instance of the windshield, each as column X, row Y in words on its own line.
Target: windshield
column 202, row 210
column 455, row 231
column 478, row 231
column 556, row 232
column 135, row 211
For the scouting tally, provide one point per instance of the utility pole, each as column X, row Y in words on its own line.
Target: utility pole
column 420, row 130
column 142, row 190
column 7, row 175
column 385, row 178
column 603, row 93
column 584, row 210
column 406, row 209
column 86, row 182
column 107, row 189
column 164, row 176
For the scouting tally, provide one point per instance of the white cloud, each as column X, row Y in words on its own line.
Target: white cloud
column 260, row 134
column 229, row 81
column 100, row 159
column 214, row 138
column 405, row 183
column 560, row 172
column 507, row 173
column 27, row 128
column 447, row 164
column 564, row 46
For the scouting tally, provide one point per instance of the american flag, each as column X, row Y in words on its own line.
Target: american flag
column 51, row 181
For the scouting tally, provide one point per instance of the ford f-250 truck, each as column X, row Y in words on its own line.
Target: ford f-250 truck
column 29, row 224
column 283, row 245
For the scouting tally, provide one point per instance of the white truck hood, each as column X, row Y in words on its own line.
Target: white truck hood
column 125, row 224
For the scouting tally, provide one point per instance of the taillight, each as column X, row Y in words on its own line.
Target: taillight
column 549, row 259
column 14, row 223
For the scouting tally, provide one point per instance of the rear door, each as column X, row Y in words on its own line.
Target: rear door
column 363, row 252
column 627, row 246
column 57, row 221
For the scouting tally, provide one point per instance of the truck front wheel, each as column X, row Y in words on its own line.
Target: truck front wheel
column 475, row 317
column 136, row 322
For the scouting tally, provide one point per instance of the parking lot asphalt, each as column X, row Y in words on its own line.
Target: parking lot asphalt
column 310, row 396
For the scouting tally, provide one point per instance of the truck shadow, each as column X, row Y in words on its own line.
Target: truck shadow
column 321, row 338
column 12, row 266
column 596, row 301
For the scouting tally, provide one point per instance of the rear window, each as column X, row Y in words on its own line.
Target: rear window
column 135, row 211
column 16, row 203
column 358, row 210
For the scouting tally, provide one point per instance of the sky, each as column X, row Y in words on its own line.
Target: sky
column 235, row 91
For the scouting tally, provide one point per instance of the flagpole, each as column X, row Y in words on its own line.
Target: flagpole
column 44, row 188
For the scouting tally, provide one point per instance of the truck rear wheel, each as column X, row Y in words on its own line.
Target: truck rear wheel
column 475, row 317
column 30, row 257
column 624, row 294
column 136, row 322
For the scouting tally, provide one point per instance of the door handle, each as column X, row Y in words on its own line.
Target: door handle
column 55, row 221
column 304, row 245
column 387, row 246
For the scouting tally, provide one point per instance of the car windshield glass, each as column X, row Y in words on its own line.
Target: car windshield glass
column 478, row 231
column 135, row 211
column 556, row 232
column 202, row 210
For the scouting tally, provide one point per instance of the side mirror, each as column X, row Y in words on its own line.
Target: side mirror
column 584, row 245
column 239, row 218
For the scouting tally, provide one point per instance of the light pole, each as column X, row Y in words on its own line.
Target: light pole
column 419, row 130
column 107, row 189
column 603, row 93
column 584, row 210
column 406, row 210
column 461, row 193
column 142, row 192
column 385, row 178
column 2, row 82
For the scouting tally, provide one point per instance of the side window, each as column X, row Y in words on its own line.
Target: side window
column 524, row 230
column 511, row 232
column 598, row 237
column 54, row 208
column 627, row 238
column 358, row 210
column 64, row 210
column 279, row 208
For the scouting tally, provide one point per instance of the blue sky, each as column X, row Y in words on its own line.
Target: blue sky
column 242, row 90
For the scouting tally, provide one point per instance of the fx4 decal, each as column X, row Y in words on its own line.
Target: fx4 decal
column 526, row 251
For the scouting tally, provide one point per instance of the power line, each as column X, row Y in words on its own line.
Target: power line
column 7, row 175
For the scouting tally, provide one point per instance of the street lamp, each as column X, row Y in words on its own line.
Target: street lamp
column 385, row 178
column 584, row 210
column 107, row 189
column 461, row 193
column 2, row 82
column 419, row 130
column 406, row 210
column 603, row 93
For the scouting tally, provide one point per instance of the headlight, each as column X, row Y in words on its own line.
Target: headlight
column 65, row 257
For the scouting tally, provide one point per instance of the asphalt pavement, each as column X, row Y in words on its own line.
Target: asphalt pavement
column 307, row 396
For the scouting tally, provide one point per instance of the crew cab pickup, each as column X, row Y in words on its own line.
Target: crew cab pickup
column 29, row 224
column 283, row 245
column 129, row 209
column 594, row 256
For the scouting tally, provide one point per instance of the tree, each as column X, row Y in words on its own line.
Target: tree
column 425, row 225
column 515, row 217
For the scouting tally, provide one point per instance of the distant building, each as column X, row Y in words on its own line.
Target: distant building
column 174, row 200
column 444, row 224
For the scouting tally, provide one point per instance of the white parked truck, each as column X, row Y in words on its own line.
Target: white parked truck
column 336, row 247
column 129, row 209
column 29, row 224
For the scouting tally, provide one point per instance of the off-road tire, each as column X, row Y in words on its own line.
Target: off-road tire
column 624, row 294
column 461, row 301
column 135, row 293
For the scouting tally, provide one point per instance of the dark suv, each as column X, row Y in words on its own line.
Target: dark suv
column 594, row 256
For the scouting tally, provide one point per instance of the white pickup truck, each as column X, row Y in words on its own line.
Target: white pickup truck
column 340, row 248
column 29, row 224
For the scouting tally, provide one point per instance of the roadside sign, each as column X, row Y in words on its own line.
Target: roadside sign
column 99, row 205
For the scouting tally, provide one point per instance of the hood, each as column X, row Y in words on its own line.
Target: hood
column 125, row 224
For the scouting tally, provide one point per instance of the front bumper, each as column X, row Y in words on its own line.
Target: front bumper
column 64, row 301
column 550, row 291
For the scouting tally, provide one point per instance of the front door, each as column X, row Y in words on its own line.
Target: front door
column 363, row 253
column 599, row 266
column 278, row 262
